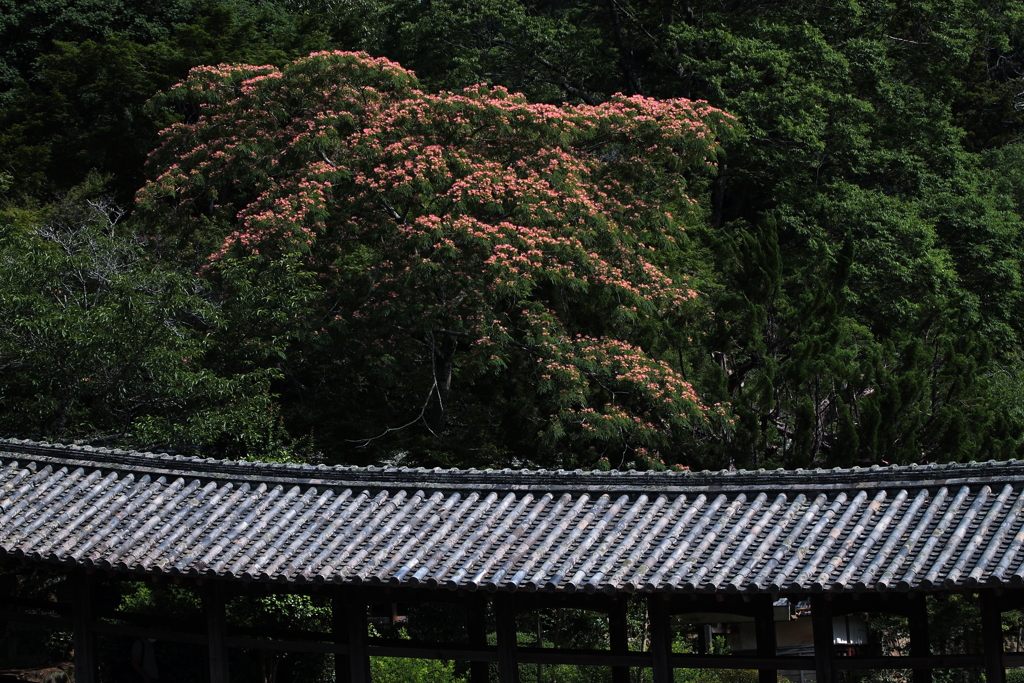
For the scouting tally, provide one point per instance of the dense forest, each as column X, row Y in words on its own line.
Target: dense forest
column 515, row 233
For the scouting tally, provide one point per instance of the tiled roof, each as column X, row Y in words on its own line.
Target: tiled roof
column 905, row 528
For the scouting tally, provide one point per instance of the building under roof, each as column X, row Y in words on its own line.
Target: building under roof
column 877, row 539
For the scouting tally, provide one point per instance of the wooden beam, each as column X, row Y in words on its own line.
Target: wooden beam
column 505, row 621
column 597, row 602
column 339, row 632
column 661, row 638
column 285, row 645
column 216, row 626
column 278, row 633
column 917, row 617
column 476, row 623
column 992, row 637
column 136, row 632
column 358, row 637
column 719, row 603
column 35, row 603
column 859, row 663
column 1012, row 599
column 824, row 651
column 687, row 661
column 618, row 637
column 764, row 628
column 550, row 656
column 62, row 623
column 880, row 603
column 84, row 638
column 387, row 647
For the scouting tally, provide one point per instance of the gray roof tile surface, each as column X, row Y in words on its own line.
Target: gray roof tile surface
column 902, row 528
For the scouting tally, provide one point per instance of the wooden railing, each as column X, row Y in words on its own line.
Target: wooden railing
column 352, row 647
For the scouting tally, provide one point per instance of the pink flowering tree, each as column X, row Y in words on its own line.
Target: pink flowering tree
column 468, row 262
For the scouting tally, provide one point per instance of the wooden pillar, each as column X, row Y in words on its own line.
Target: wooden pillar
column 704, row 639
column 917, row 616
column 339, row 629
column 821, row 622
column 84, row 640
column 764, row 627
column 358, row 637
column 216, row 625
column 992, row 637
column 476, row 622
column 505, row 621
column 661, row 638
column 618, row 637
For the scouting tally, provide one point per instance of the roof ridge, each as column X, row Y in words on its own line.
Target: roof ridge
column 836, row 477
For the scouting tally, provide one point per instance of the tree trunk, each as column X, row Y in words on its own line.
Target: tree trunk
column 442, row 346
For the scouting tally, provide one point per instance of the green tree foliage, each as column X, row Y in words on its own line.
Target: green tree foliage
column 98, row 341
column 480, row 259
column 401, row 670
column 954, row 627
column 79, row 103
column 29, row 28
column 861, row 255
column 858, row 257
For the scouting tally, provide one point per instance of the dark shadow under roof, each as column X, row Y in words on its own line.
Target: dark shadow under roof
column 907, row 528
